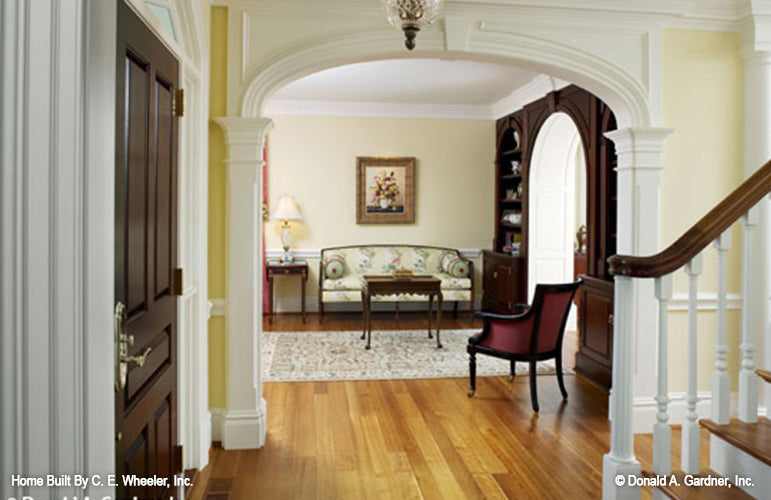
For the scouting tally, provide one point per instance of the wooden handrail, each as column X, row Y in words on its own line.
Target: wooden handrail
column 693, row 241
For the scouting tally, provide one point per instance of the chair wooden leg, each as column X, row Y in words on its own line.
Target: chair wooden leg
column 513, row 370
column 533, row 388
column 472, row 372
column 558, row 361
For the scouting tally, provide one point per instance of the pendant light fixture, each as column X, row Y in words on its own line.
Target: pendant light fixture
column 411, row 16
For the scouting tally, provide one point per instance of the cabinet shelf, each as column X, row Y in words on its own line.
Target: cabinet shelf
column 511, row 200
column 511, row 177
column 510, row 152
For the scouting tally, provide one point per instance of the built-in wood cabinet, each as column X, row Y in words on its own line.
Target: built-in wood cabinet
column 505, row 265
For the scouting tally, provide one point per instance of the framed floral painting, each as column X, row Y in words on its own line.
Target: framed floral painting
column 385, row 190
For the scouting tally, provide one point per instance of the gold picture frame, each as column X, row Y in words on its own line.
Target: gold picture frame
column 385, row 190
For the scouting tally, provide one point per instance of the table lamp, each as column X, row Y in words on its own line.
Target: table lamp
column 286, row 210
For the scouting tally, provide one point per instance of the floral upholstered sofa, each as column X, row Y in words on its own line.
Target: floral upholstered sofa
column 342, row 269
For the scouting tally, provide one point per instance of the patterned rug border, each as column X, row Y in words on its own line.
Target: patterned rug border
column 306, row 356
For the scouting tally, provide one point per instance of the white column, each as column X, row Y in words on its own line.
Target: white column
column 245, row 419
column 756, row 54
column 639, row 187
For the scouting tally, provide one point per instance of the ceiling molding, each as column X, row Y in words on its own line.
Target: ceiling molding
column 278, row 107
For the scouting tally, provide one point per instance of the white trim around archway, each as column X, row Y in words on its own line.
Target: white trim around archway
column 638, row 182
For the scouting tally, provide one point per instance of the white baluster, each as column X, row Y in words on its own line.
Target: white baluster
column 748, row 382
column 662, row 434
column 620, row 460
column 690, row 453
column 721, row 382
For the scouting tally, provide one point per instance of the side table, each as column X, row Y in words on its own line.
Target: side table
column 275, row 268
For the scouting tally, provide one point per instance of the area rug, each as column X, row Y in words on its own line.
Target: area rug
column 395, row 354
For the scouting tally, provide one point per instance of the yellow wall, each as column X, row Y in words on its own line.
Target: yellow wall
column 314, row 159
column 702, row 100
column 217, row 184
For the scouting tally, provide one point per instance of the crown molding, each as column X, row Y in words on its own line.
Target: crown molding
column 278, row 107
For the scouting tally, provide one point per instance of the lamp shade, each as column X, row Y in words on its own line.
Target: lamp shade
column 286, row 209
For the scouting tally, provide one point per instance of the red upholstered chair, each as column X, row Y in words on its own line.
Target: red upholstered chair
column 534, row 335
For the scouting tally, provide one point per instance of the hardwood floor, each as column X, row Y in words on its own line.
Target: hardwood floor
column 406, row 439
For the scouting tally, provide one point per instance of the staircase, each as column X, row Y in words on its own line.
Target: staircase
column 740, row 441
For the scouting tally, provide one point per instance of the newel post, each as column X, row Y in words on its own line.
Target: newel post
column 245, row 418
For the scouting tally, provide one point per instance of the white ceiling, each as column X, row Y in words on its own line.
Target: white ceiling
column 418, row 84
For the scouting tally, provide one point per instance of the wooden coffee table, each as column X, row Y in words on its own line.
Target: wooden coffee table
column 389, row 285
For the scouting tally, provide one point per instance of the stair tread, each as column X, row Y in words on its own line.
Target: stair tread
column 764, row 374
column 684, row 492
column 754, row 439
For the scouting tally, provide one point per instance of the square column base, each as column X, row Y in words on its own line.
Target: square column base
column 245, row 429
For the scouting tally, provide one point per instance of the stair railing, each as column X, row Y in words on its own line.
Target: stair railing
column 685, row 253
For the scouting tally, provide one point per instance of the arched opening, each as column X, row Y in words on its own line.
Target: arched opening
column 557, row 204
column 615, row 86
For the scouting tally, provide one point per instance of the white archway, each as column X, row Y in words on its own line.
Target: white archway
column 625, row 95
column 637, row 144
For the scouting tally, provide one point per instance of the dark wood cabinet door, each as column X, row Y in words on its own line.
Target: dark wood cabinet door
column 145, row 254
column 503, row 282
column 595, row 327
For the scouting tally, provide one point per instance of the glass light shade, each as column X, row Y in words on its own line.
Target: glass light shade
column 411, row 16
column 286, row 209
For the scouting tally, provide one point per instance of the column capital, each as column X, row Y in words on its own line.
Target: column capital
column 241, row 130
column 639, row 148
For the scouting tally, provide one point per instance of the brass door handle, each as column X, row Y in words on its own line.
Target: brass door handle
column 610, row 319
column 139, row 360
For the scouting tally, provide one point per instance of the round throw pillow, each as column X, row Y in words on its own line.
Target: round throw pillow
column 459, row 268
column 454, row 265
column 335, row 267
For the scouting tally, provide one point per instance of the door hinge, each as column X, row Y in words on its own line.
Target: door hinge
column 179, row 281
column 179, row 103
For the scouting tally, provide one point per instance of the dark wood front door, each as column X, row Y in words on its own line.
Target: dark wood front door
column 145, row 256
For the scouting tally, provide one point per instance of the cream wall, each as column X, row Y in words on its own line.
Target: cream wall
column 314, row 159
column 702, row 100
